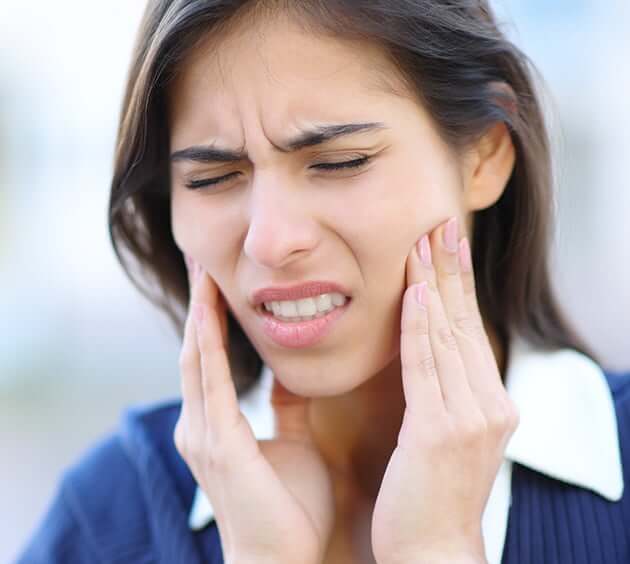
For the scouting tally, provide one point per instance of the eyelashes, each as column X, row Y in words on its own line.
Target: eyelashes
column 327, row 167
column 356, row 163
column 196, row 184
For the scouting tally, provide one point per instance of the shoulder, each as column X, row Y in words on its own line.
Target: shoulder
column 106, row 502
column 118, row 460
column 135, row 470
column 619, row 384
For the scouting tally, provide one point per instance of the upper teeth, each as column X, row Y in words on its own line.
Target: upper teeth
column 307, row 306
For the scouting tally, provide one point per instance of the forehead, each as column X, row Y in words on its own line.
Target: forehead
column 279, row 68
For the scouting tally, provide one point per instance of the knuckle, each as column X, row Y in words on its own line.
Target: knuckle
column 498, row 421
column 203, row 346
column 414, row 324
column 432, row 286
column 186, row 360
column 218, row 457
column 187, row 446
column 448, row 275
column 514, row 416
column 428, row 366
column 473, row 429
column 179, row 437
column 195, row 450
column 441, row 436
column 209, row 348
column 505, row 417
column 447, row 338
column 469, row 325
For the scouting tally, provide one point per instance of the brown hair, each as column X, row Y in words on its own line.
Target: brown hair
column 456, row 62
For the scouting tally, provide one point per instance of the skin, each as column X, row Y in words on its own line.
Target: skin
column 280, row 221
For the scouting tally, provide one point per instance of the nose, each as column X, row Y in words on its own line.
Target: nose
column 281, row 224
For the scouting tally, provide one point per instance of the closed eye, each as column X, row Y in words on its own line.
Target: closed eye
column 328, row 167
column 347, row 164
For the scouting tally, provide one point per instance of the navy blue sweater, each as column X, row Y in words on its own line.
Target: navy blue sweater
column 128, row 498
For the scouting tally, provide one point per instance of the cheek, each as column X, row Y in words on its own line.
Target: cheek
column 194, row 226
column 184, row 226
column 395, row 207
column 430, row 192
column 178, row 225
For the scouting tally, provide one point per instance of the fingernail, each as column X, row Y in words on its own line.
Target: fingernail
column 424, row 250
column 464, row 253
column 449, row 235
column 198, row 271
column 421, row 294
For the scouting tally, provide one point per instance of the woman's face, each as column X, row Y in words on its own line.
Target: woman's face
column 279, row 219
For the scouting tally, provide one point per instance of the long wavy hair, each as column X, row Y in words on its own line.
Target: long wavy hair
column 452, row 58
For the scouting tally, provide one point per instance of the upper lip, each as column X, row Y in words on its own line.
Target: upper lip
column 297, row 291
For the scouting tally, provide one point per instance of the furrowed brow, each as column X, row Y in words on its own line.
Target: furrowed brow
column 318, row 136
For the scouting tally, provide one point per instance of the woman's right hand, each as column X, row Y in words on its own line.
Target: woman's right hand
column 273, row 499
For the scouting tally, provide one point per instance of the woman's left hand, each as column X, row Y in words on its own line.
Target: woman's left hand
column 457, row 422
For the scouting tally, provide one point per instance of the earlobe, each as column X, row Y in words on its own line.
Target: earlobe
column 490, row 165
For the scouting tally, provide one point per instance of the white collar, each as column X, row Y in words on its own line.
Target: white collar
column 567, row 430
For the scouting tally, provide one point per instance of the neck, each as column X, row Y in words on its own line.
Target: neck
column 357, row 432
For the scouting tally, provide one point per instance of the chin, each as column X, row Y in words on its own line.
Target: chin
column 325, row 378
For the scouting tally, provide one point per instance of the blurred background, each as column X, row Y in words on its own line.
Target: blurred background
column 77, row 342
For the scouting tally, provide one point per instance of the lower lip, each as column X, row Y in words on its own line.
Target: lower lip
column 301, row 334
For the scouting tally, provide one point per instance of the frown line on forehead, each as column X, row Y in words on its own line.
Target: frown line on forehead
column 306, row 138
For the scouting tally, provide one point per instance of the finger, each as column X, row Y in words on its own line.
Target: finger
column 219, row 394
column 466, row 326
column 190, row 379
column 421, row 384
column 448, row 362
column 291, row 414
column 221, row 307
column 470, row 297
column 485, row 379
column 444, row 252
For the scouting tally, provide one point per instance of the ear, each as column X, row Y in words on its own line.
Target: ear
column 487, row 167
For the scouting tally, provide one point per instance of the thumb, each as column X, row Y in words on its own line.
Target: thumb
column 291, row 414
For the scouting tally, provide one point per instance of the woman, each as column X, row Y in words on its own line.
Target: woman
column 361, row 192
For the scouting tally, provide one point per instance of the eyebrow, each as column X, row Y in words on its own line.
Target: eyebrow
column 318, row 136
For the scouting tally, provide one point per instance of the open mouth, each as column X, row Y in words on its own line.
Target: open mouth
column 298, row 332
column 277, row 314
